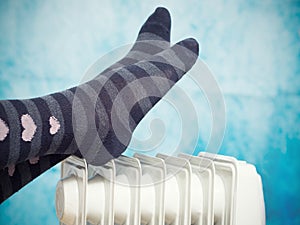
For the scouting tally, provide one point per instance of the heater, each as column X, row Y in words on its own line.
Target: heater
column 207, row 189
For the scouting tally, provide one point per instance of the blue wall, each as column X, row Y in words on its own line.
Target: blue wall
column 253, row 48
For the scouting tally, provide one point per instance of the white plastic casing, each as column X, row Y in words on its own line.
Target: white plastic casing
column 207, row 189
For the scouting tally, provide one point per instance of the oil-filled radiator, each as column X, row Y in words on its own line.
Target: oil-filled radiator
column 207, row 189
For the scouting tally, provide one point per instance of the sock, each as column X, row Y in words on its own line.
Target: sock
column 24, row 173
column 35, row 115
column 153, row 37
column 124, row 99
column 92, row 117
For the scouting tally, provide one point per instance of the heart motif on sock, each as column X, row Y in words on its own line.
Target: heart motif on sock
column 34, row 160
column 55, row 125
column 11, row 170
column 29, row 127
column 3, row 130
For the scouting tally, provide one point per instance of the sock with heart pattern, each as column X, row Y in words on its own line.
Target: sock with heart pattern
column 153, row 37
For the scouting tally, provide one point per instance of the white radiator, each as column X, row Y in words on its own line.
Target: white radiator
column 200, row 190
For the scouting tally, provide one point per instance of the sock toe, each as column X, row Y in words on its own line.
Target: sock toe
column 158, row 23
column 163, row 16
column 190, row 44
column 188, row 51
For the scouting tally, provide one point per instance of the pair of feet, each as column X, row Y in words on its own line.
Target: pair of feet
column 96, row 119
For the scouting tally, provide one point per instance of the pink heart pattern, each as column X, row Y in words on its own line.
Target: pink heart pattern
column 3, row 130
column 54, row 125
column 29, row 127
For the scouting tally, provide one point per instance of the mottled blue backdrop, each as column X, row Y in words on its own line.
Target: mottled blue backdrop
column 253, row 48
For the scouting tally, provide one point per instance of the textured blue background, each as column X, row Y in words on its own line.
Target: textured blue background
column 253, row 47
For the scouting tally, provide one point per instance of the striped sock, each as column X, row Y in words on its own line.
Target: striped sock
column 92, row 117
column 24, row 173
column 98, row 117
column 153, row 37
column 110, row 108
column 139, row 87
